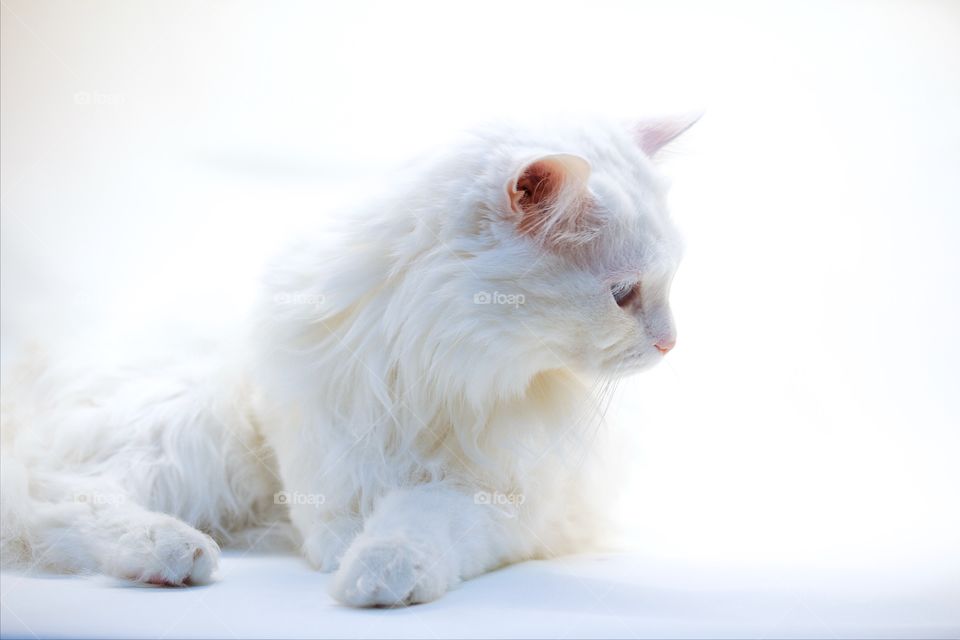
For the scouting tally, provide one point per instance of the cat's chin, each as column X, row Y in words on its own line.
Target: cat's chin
column 629, row 365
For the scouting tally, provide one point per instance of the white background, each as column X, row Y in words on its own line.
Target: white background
column 805, row 429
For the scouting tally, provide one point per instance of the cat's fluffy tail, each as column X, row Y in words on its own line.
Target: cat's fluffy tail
column 15, row 548
column 33, row 533
column 16, row 508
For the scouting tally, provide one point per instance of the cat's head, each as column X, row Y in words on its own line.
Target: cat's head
column 580, row 251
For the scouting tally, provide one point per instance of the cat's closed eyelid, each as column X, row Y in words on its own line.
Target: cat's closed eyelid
column 625, row 293
column 622, row 276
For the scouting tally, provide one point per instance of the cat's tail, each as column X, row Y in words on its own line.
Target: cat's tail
column 34, row 534
column 15, row 548
column 28, row 528
column 14, row 488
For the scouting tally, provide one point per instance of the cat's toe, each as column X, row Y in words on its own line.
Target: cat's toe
column 388, row 573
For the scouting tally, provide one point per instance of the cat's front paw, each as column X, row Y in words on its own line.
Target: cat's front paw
column 389, row 573
column 164, row 552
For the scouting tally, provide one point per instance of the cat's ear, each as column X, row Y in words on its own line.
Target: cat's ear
column 654, row 134
column 550, row 200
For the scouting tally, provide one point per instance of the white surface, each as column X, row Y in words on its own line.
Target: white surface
column 596, row 596
column 803, row 434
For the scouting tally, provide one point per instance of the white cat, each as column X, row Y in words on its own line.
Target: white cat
column 417, row 391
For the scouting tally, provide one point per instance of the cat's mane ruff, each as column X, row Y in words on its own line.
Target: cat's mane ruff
column 380, row 340
column 359, row 375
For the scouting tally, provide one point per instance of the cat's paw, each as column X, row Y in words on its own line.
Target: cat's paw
column 389, row 573
column 164, row 552
column 327, row 543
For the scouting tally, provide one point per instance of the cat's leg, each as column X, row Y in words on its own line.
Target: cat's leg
column 120, row 539
column 419, row 542
column 320, row 511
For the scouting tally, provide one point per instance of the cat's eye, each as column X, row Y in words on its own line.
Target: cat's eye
column 625, row 293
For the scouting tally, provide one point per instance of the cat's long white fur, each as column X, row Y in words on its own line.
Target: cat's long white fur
column 416, row 389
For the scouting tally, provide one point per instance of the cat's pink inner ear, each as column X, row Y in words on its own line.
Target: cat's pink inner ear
column 546, row 185
column 654, row 134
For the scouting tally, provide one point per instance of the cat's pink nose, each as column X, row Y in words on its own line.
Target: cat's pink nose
column 665, row 344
